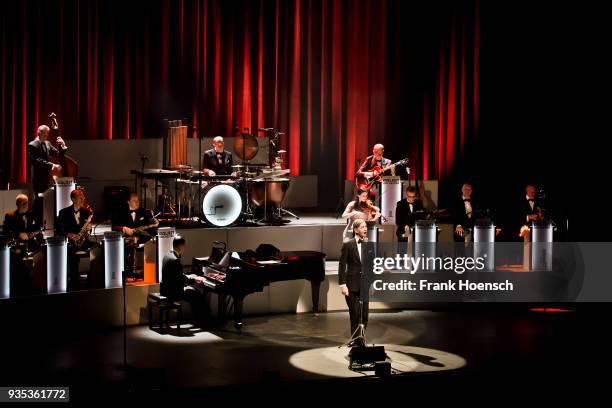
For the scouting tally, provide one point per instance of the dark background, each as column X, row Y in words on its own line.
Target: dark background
column 336, row 77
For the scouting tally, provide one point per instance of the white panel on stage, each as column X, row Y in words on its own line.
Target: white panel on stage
column 391, row 193
column 165, row 236
column 63, row 188
column 57, row 265
column 114, row 259
column 541, row 246
column 5, row 270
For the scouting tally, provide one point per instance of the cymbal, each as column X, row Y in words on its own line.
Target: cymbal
column 246, row 144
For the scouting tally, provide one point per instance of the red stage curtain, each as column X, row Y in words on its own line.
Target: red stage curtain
column 335, row 76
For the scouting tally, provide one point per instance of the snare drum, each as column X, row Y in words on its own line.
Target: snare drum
column 221, row 205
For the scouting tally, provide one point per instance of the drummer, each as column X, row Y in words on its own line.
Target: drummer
column 217, row 161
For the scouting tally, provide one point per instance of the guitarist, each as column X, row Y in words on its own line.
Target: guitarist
column 135, row 221
column 20, row 225
column 367, row 168
column 71, row 221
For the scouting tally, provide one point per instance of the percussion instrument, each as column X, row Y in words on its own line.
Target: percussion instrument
column 221, row 205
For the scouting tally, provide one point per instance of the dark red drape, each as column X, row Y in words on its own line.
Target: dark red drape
column 335, row 76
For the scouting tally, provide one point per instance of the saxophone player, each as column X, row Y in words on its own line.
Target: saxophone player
column 74, row 223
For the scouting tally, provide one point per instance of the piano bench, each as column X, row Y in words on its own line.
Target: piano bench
column 164, row 306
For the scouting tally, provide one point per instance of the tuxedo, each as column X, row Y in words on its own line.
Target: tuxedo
column 173, row 279
column 16, row 223
column 67, row 224
column 132, row 219
column 350, row 274
column 67, row 220
column 404, row 215
column 462, row 217
column 526, row 210
column 175, row 285
column 40, row 166
column 220, row 163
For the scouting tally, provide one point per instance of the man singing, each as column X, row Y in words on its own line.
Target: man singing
column 350, row 277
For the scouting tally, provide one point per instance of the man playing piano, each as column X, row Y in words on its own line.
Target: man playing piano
column 176, row 285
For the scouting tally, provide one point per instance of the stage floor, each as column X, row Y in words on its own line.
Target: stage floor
column 291, row 349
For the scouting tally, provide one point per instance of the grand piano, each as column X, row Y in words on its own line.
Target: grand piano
column 242, row 273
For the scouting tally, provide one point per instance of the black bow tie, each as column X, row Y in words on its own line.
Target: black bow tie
column 132, row 211
column 360, row 241
column 531, row 200
column 77, row 211
column 467, row 200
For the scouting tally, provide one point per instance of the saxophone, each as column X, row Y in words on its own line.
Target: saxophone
column 83, row 233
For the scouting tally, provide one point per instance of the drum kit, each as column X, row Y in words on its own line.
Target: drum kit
column 252, row 195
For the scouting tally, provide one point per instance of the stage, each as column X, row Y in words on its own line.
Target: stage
column 474, row 348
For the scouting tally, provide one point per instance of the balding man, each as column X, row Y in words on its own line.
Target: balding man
column 39, row 151
column 367, row 169
column 217, row 161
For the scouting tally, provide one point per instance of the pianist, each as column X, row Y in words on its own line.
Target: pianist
column 176, row 285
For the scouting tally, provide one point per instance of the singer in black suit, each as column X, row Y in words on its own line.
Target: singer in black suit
column 176, row 285
column 350, row 276
column 217, row 161
column 405, row 212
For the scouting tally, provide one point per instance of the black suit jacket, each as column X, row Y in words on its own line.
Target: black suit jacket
column 14, row 224
column 124, row 218
column 173, row 279
column 403, row 215
column 66, row 223
column 349, row 268
column 222, row 167
column 40, row 166
column 459, row 215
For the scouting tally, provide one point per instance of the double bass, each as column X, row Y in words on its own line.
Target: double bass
column 70, row 167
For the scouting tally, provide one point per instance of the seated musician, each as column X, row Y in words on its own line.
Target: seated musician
column 135, row 221
column 21, row 228
column 176, row 285
column 217, row 161
column 20, row 225
column 361, row 208
column 366, row 170
column 405, row 216
column 463, row 213
column 74, row 223
column 532, row 209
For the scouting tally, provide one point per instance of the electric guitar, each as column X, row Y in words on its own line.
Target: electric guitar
column 377, row 172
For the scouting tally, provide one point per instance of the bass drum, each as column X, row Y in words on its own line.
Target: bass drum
column 221, row 205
